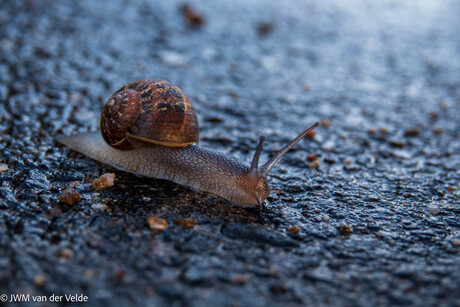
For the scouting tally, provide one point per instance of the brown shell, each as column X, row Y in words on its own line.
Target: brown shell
column 153, row 111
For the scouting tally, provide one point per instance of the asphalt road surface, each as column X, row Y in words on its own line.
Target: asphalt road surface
column 370, row 213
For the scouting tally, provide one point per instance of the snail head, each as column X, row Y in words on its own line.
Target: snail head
column 258, row 175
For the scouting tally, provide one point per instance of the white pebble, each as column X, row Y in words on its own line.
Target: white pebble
column 433, row 210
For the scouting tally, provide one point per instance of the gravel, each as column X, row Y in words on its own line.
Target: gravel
column 377, row 213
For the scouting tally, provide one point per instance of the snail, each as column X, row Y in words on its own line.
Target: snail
column 150, row 128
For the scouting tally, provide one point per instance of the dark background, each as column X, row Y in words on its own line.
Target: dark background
column 379, row 218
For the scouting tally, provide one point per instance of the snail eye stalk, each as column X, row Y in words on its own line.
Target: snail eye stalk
column 255, row 159
column 267, row 167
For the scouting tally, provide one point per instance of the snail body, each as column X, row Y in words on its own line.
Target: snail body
column 129, row 142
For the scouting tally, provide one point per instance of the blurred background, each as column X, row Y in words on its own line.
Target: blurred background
column 375, row 193
column 366, row 64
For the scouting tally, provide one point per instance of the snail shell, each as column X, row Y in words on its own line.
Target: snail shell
column 151, row 111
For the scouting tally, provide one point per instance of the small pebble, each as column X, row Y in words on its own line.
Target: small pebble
column 372, row 131
column 89, row 273
column 456, row 242
column 293, row 229
column 396, row 143
column 95, row 195
column 328, row 146
column 173, row 58
column 3, row 167
column 402, row 154
column 345, row 229
column 434, row 210
column 185, row 222
column 264, row 28
column 412, row 132
column 55, row 212
column 239, row 279
column 312, row 157
column 311, row 134
column 218, row 120
column 438, row 131
column 69, row 196
column 325, row 122
column 105, row 181
column 157, row 223
column 193, row 18
column 66, row 253
column 433, row 115
column 314, row 164
column 100, row 206
column 120, row 275
column 39, row 280
column 443, row 104
column 326, row 218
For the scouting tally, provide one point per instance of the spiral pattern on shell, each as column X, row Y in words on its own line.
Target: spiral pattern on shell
column 151, row 111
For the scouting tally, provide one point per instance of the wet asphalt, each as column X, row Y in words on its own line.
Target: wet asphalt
column 370, row 213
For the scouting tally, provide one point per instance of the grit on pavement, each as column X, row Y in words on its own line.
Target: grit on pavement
column 370, row 213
